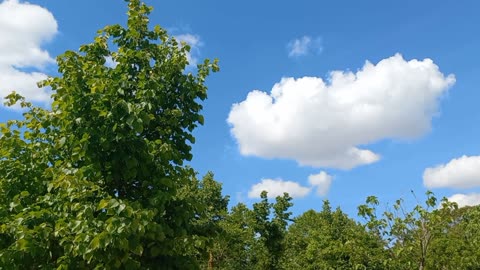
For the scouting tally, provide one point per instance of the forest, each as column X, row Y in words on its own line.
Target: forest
column 100, row 181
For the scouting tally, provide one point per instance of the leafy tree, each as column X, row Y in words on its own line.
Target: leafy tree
column 427, row 237
column 458, row 244
column 271, row 230
column 94, row 181
column 254, row 238
column 210, row 208
column 236, row 247
column 331, row 240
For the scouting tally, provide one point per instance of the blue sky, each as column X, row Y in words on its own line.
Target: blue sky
column 401, row 123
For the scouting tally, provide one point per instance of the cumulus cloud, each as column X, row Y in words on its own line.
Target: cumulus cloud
column 465, row 199
column 24, row 28
column 328, row 123
column 304, row 45
column 321, row 182
column 195, row 43
column 463, row 172
column 276, row 187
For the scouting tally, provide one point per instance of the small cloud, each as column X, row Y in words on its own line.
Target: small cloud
column 304, row 46
column 465, row 199
column 195, row 43
column 276, row 187
column 321, row 182
column 463, row 172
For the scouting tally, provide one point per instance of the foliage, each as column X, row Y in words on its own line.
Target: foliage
column 458, row 246
column 254, row 238
column 429, row 236
column 425, row 237
column 93, row 182
column 210, row 210
column 236, row 247
column 331, row 240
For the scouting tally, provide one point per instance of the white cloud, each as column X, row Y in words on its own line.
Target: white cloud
column 463, row 172
column 321, row 181
column 465, row 199
column 304, row 45
column 24, row 28
column 195, row 43
column 276, row 187
column 324, row 124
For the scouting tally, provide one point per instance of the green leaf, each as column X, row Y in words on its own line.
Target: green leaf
column 138, row 126
column 103, row 204
column 61, row 142
column 95, row 244
column 138, row 250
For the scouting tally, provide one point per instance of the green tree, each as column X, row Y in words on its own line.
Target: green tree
column 210, row 208
column 331, row 240
column 253, row 238
column 271, row 229
column 236, row 247
column 458, row 244
column 94, row 181
column 429, row 236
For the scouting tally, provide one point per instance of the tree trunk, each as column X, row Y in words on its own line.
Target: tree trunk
column 210, row 261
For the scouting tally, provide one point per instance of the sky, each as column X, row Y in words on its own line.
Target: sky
column 325, row 100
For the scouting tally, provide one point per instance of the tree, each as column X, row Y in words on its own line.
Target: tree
column 254, row 238
column 458, row 244
column 271, row 230
column 330, row 240
column 93, row 182
column 420, row 237
column 210, row 210
column 236, row 247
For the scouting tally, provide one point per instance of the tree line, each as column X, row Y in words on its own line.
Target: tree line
column 99, row 181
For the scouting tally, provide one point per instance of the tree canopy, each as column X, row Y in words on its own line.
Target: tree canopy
column 97, row 180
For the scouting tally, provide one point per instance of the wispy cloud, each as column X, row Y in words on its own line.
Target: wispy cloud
column 195, row 43
column 321, row 182
column 304, row 46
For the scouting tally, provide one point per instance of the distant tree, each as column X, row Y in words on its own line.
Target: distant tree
column 427, row 237
column 458, row 244
column 96, row 181
column 271, row 228
column 253, row 238
column 331, row 240
column 236, row 247
column 210, row 208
